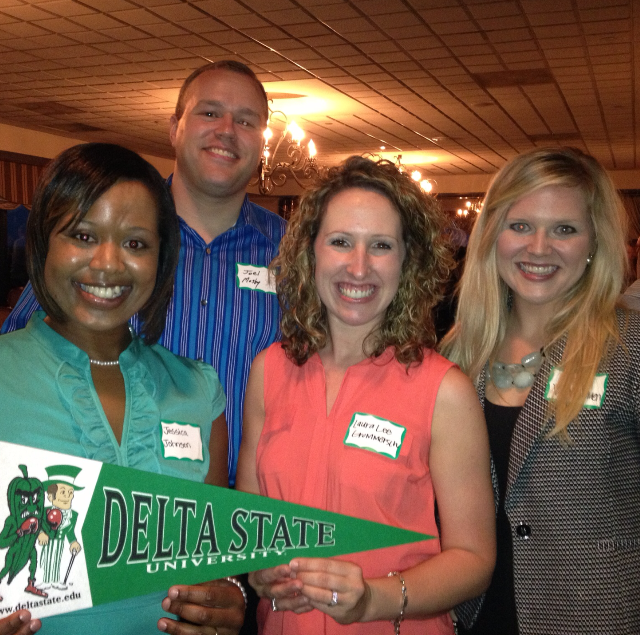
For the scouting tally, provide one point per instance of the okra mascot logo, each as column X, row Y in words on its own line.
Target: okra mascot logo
column 26, row 511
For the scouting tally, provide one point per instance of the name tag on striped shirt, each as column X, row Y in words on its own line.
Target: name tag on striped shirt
column 255, row 278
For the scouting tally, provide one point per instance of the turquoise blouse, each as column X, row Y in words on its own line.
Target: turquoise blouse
column 49, row 401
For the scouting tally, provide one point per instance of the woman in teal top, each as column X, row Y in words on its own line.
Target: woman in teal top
column 102, row 244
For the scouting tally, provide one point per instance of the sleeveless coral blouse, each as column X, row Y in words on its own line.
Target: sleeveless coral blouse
column 302, row 458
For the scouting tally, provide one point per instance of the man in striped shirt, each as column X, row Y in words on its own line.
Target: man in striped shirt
column 223, row 311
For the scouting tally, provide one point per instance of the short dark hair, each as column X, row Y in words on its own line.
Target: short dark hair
column 408, row 322
column 72, row 183
column 224, row 65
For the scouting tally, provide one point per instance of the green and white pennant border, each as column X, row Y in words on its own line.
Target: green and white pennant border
column 142, row 532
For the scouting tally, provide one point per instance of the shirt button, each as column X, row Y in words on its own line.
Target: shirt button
column 204, row 302
column 208, row 251
column 523, row 530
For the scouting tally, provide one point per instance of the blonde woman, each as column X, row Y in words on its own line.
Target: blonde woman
column 556, row 367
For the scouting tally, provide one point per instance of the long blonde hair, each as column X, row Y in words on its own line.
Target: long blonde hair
column 587, row 316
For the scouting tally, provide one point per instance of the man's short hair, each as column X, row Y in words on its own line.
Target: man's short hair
column 226, row 65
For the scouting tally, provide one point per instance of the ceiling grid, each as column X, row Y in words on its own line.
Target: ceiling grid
column 464, row 84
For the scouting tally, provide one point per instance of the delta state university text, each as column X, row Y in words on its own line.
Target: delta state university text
column 168, row 533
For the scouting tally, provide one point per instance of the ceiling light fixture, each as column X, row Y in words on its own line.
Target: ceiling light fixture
column 301, row 163
column 426, row 184
column 470, row 206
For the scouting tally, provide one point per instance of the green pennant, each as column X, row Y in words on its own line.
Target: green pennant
column 139, row 532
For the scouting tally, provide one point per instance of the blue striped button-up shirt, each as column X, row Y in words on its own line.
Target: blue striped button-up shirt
column 210, row 317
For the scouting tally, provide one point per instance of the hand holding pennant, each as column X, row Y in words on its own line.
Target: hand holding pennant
column 145, row 532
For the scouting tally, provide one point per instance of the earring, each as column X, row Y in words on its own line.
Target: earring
column 589, row 259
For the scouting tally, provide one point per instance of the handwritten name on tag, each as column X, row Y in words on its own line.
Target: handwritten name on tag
column 255, row 278
column 375, row 434
column 181, row 441
column 595, row 397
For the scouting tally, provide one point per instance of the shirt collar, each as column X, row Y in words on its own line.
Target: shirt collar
column 247, row 216
column 67, row 351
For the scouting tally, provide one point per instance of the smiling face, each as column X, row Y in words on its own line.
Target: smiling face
column 103, row 270
column 543, row 247
column 63, row 496
column 218, row 140
column 359, row 252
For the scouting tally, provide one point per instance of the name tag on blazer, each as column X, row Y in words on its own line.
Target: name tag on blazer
column 596, row 395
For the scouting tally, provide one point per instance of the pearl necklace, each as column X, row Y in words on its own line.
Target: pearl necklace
column 97, row 362
column 520, row 376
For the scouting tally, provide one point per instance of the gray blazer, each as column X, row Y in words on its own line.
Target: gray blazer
column 574, row 509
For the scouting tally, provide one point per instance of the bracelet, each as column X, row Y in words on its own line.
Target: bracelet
column 239, row 585
column 405, row 599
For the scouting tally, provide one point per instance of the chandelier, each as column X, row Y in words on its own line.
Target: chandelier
column 300, row 162
column 470, row 206
column 426, row 184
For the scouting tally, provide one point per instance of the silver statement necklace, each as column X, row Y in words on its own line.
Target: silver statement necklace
column 521, row 376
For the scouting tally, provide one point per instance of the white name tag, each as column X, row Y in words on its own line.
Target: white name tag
column 181, row 441
column 594, row 398
column 375, row 434
column 255, row 278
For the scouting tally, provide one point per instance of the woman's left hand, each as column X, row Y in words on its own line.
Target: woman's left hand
column 325, row 579
column 210, row 608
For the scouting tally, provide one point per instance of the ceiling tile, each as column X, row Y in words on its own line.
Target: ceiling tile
column 332, row 12
column 607, row 26
column 88, row 37
column 494, row 10
column 410, row 64
column 96, row 21
column 23, row 29
column 25, row 12
column 546, row 6
column 221, row 8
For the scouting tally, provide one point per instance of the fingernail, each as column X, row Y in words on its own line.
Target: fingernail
column 34, row 626
column 173, row 593
column 162, row 626
column 294, row 565
column 166, row 604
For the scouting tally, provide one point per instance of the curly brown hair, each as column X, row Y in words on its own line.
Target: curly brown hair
column 408, row 322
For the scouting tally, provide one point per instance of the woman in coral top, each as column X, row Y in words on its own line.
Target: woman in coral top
column 354, row 412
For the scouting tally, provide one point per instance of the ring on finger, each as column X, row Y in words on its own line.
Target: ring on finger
column 334, row 598
column 274, row 608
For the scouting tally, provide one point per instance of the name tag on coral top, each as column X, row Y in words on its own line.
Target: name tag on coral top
column 181, row 441
column 596, row 395
column 375, row 434
column 255, row 278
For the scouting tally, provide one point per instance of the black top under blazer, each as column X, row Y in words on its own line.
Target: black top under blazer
column 574, row 509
